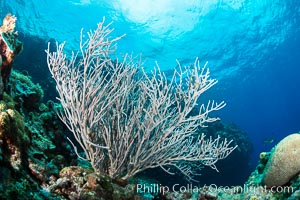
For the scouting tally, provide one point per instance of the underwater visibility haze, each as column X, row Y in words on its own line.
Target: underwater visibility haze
column 252, row 49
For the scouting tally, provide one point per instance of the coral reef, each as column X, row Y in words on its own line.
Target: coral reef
column 37, row 163
column 83, row 183
column 280, row 162
column 10, row 47
column 14, row 138
column 284, row 162
column 25, row 93
column 45, row 171
column 253, row 188
column 32, row 148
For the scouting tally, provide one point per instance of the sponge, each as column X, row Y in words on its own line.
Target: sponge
column 284, row 163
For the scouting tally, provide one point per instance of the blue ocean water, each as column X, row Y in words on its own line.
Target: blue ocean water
column 252, row 47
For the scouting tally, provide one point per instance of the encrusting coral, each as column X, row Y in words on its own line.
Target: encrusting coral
column 13, row 136
column 32, row 150
column 26, row 94
column 284, row 163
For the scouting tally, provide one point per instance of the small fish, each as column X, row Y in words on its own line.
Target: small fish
column 268, row 140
